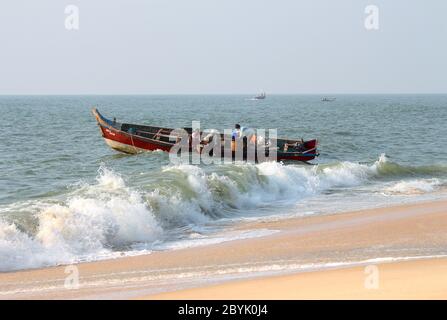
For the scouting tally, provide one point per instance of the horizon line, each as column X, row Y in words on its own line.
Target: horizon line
column 217, row 94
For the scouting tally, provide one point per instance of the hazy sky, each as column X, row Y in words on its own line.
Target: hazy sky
column 222, row 46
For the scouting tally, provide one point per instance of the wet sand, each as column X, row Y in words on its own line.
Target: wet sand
column 276, row 261
column 421, row 279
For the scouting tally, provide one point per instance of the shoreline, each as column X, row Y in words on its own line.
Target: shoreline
column 393, row 280
column 352, row 236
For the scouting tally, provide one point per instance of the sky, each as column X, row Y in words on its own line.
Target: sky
column 222, row 47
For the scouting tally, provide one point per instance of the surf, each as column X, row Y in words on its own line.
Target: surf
column 113, row 215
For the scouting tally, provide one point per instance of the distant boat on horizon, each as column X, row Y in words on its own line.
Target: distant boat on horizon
column 328, row 99
column 260, row 96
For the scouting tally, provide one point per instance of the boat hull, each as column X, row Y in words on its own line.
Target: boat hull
column 128, row 143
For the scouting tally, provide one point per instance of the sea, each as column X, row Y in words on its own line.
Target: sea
column 66, row 197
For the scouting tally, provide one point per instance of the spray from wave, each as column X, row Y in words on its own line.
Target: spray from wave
column 111, row 215
column 92, row 222
column 413, row 187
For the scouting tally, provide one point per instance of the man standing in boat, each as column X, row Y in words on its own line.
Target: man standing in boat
column 237, row 131
column 237, row 137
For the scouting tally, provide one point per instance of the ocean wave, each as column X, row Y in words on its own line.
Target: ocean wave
column 386, row 168
column 412, row 187
column 20, row 251
column 111, row 215
column 93, row 221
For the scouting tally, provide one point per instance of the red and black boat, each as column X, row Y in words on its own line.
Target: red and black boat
column 135, row 138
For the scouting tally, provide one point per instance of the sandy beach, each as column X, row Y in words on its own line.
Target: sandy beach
column 314, row 257
column 422, row 279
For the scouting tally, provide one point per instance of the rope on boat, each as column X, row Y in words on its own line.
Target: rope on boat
column 133, row 145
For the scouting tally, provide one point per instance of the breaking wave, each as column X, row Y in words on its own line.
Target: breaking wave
column 412, row 187
column 112, row 215
column 93, row 221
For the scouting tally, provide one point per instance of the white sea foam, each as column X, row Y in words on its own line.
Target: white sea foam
column 18, row 250
column 412, row 187
column 196, row 240
column 108, row 215
column 99, row 219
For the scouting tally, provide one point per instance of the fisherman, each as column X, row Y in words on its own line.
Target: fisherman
column 236, row 134
column 237, row 131
column 241, row 134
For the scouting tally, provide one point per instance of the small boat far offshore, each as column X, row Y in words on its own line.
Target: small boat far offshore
column 328, row 99
column 260, row 96
column 133, row 138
